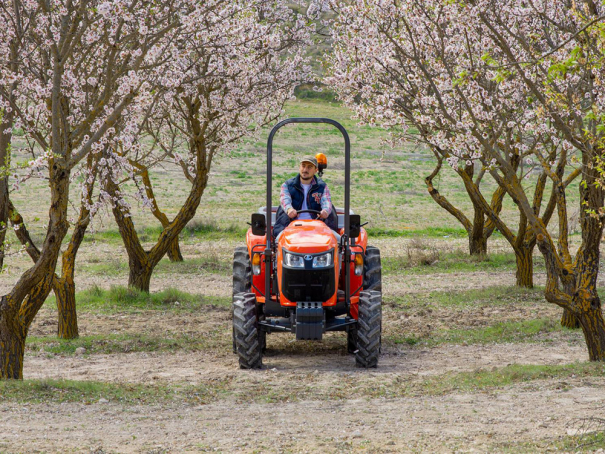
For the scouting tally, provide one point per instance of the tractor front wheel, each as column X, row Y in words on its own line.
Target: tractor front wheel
column 242, row 275
column 372, row 269
column 242, row 270
column 369, row 327
column 245, row 331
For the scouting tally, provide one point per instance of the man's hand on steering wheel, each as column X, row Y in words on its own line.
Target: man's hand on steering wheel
column 292, row 213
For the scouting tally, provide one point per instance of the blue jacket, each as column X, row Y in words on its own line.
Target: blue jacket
column 297, row 193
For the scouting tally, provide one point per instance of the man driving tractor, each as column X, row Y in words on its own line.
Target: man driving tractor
column 305, row 191
column 309, row 280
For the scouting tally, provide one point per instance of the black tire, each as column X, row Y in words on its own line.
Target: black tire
column 242, row 275
column 369, row 327
column 242, row 270
column 246, row 333
column 372, row 269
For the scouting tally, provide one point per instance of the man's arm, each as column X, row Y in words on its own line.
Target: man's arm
column 326, row 203
column 285, row 199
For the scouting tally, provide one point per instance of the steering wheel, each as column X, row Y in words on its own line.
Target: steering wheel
column 308, row 211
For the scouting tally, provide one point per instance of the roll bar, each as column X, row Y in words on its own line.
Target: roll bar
column 347, row 226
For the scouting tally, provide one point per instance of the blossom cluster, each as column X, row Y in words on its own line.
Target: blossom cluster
column 93, row 77
column 485, row 80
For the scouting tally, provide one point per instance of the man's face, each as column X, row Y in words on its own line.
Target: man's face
column 307, row 170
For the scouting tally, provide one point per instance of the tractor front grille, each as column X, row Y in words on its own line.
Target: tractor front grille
column 308, row 285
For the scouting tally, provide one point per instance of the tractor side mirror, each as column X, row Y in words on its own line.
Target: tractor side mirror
column 354, row 225
column 259, row 224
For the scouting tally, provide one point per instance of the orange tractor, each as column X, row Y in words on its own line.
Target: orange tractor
column 310, row 281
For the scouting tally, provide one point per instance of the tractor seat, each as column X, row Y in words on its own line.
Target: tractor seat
column 340, row 212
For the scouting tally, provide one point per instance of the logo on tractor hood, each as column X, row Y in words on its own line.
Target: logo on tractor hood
column 308, row 257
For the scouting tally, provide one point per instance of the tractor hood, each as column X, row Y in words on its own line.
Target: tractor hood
column 307, row 237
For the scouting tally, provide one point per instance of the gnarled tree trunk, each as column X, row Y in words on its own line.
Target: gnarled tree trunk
column 142, row 263
column 139, row 276
column 174, row 250
column 525, row 265
column 64, row 285
column 568, row 320
column 477, row 236
column 12, row 341
column 577, row 293
column 19, row 307
column 65, row 293
column 482, row 227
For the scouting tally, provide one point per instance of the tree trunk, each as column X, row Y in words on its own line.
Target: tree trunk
column 590, row 317
column 568, row 320
column 477, row 242
column 140, row 278
column 65, row 293
column 12, row 350
column 174, row 251
column 12, row 344
column 476, row 237
column 525, row 266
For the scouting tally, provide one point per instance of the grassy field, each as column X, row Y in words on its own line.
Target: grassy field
column 469, row 362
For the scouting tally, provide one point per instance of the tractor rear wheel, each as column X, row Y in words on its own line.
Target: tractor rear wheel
column 246, row 332
column 369, row 327
column 372, row 269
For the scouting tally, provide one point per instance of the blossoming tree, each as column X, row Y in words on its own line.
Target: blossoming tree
column 230, row 74
column 81, row 68
column 501, row 85
column 405, row 77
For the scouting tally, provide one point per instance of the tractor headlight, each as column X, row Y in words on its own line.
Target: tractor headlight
column 293, row 261
column 256, row 264
column 358, row 264
column 322, row 261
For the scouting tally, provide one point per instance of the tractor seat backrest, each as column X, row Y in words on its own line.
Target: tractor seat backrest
column 340, row 212
column 263, row 211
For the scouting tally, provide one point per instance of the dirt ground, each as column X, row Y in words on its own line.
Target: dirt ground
column 334, row 407
column 468, row 422
column 538, row 412
column 476, row 422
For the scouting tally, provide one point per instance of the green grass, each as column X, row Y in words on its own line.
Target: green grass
column 584, row 442
column 506, row 376
column 429, row 232
column 209, row 263
column 126, row 343
column 429, row 259
column 490, row 296
column 259, row 388
column 87, row 392
column 503, row 332
column 195, row 230
column 119, row 298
